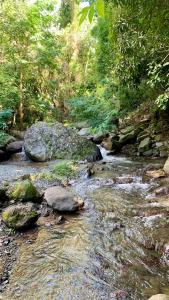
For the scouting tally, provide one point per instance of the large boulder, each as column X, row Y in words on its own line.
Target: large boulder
column 20, row 216
column 24, row 191
column 166, row 166
column 44, row 141
column 159, row 297
column 62, row 200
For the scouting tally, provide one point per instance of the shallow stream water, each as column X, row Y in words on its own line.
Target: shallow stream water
column 111, row 250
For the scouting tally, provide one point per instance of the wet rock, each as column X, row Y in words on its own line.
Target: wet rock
column 24, row 190
column 20, row 216
column 156, row 174
column 45, row 141
column 144, row 145
column 159, row 297
column 62, row 199
column 111, row 143
column 14, row 147
column 126, row 138
column 129, row 150
column 97, row 139
column 95, row 156
column 123, row 180
column 61, row 220
column 107, row 143
column 161, row 191
column 148, row 153
column 166, row 166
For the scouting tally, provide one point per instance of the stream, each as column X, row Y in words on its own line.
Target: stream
column 110, row 250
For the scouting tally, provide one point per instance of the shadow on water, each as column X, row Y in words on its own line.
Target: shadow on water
column 114, row 244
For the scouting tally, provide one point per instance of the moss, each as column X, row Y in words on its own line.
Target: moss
column 11, row 219
column 24, row 190
column 5, row 139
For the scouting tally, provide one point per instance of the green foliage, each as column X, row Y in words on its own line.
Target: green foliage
column 89, row 11
column 98, row 111
column 5, row 115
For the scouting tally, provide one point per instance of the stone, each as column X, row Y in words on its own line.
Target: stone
column 24, row 191
column 127, row 136
column 144, row 145
column 62, row 199
column 166, row 167
column 148, row 153
column 127, row 129
column 14, row 147
column 20, row 216
column 5, row 139
column 84, row 132
column 107, row 143
column 46, row 141
column 159, row 297
column 98, row 139
column 156, row 174
column 162, row 191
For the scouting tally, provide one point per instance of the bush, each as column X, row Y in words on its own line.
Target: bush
column 5, row 115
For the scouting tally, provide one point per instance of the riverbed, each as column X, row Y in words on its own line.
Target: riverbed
column 113, row 249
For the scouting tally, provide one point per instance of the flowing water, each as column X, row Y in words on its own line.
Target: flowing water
column 111, row 250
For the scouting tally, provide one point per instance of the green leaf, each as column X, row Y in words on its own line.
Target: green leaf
column 91, row 13
column 83, row 13
column 100, row 7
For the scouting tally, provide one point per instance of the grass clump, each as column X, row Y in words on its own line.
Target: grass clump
column 65, row 169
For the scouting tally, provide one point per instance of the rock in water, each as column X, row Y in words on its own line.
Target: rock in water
column 159, row 297
column 45, row 141
column 20, row 216
column 62, row 200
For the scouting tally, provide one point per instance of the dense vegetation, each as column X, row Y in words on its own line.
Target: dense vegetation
column 69, row 63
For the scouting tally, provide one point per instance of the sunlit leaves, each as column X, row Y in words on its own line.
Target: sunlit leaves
column 96, row 7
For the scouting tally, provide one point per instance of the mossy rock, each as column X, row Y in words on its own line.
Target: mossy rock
column 20, row 216
column 5, row 139
column 24, row 191
column 45, row 141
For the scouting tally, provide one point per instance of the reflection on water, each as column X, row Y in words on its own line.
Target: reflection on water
column 106, row 248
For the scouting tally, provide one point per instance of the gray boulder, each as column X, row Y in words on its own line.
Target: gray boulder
column 20, row 216
column 62, row 200
column 45, row 141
